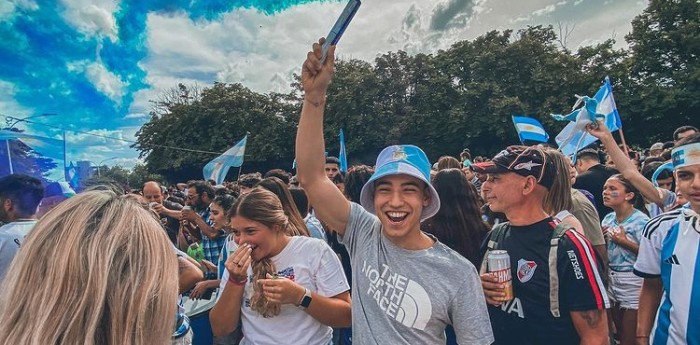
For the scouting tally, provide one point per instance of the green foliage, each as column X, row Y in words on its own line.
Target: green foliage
column 443, row 102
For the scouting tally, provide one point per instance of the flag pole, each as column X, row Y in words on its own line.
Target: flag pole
column 624, row 143
column 9, row 156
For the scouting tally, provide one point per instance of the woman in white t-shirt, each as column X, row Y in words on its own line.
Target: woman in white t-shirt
column 284, row 289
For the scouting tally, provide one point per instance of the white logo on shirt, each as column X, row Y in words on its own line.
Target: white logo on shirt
column 399, row 297
column 514, row 306
column 526, row 269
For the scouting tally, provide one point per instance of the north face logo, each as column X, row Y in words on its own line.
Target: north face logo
column 672, row 260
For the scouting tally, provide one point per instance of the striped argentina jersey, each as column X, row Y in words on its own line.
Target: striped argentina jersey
column 670, row 249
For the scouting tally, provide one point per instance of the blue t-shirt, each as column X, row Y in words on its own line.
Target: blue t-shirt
column 621, row 259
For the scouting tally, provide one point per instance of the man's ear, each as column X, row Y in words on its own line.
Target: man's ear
column 427, row 196
column 530, row 184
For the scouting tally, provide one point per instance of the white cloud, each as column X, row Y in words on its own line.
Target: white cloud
column 8, row 8
column 94, row 18
column 105, row 81
column 546, row 10
column 8, row 105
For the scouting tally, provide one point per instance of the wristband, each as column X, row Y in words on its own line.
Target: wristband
column 236, row 282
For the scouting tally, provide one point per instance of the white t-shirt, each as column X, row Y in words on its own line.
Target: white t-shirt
column 11, row 237
column 309, row 262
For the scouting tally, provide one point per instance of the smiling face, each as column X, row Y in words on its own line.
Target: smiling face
column 398, row 202
column 265, row 241
column 615, row 194
column 218, row 216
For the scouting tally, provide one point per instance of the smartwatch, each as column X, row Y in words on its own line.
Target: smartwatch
column 306, row 300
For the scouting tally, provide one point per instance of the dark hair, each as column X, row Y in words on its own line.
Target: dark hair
column 24, row 191
column 466, row 154
column 355, row 179
column 249, row 180
column 332, row 160
column 667, row 145
column 458, row 223
column 682, row 129
column 650, row 168
column 638, row 200
column 691, row 139
column 280, row 174
column 226, row 201
column 339, row 178
column 588, row 154
column 301, row 200
column 201, row 187
column 280, row 189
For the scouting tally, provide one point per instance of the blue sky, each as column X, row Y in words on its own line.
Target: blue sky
column 97, row 63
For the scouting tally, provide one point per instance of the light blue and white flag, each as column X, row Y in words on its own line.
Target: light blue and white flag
column 72, row 176
column 342, row 155
column 530, row 129
column 44, row 146
column 574, row 136
column 218, row 167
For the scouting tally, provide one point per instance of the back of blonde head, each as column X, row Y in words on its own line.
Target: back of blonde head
column 97, row 269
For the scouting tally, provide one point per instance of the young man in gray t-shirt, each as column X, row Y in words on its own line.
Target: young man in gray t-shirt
column 407, row 286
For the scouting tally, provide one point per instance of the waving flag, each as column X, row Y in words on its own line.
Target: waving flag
column 47, row 147
column 574, row 136
column 218, row 167
column 530, row 129
column 72, row 176
column 342, row 156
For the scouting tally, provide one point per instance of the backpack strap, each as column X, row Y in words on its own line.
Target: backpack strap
column 496, row 235
column 558, row 232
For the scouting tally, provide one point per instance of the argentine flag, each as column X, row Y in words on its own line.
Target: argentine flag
column 218, row 167
column 530, row 129
column 574, row 136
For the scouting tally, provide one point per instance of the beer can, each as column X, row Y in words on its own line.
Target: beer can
column 499, row 265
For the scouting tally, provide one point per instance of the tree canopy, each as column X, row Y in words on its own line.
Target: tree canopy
column 460, row 97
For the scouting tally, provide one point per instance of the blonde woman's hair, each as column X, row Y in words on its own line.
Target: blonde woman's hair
column 559, row 197
column 263, row 206
column 97, row 269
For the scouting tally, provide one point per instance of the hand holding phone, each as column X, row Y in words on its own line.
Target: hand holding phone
column 339, row 28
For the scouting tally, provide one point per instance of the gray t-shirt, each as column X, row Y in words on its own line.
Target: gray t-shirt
column 404, row 296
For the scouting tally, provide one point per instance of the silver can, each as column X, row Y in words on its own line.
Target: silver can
column 499, row 265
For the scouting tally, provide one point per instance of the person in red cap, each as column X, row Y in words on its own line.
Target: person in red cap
column 559, row 296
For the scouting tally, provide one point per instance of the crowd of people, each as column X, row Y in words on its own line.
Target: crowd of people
column 602, row 248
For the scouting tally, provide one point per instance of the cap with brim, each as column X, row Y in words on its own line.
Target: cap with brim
column 521, row 160
column 401, row 160
column 657, row 146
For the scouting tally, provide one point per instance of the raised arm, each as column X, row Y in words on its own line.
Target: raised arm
column 330, row 205
column 624, row 164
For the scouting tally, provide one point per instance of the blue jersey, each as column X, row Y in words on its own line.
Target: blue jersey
column 669, row 250
column 620, row 258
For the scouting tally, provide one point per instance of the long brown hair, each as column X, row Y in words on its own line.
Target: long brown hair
column 559, row 197
column 263, row 206
column 275, row 185
column 97, row 269
column 458, row 223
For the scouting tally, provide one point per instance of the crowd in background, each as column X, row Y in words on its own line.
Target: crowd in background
column 391, row 253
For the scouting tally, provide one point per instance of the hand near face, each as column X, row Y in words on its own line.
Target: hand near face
column 493, row 290
column 281, row 290
column 189, row 215
column 238, row 263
